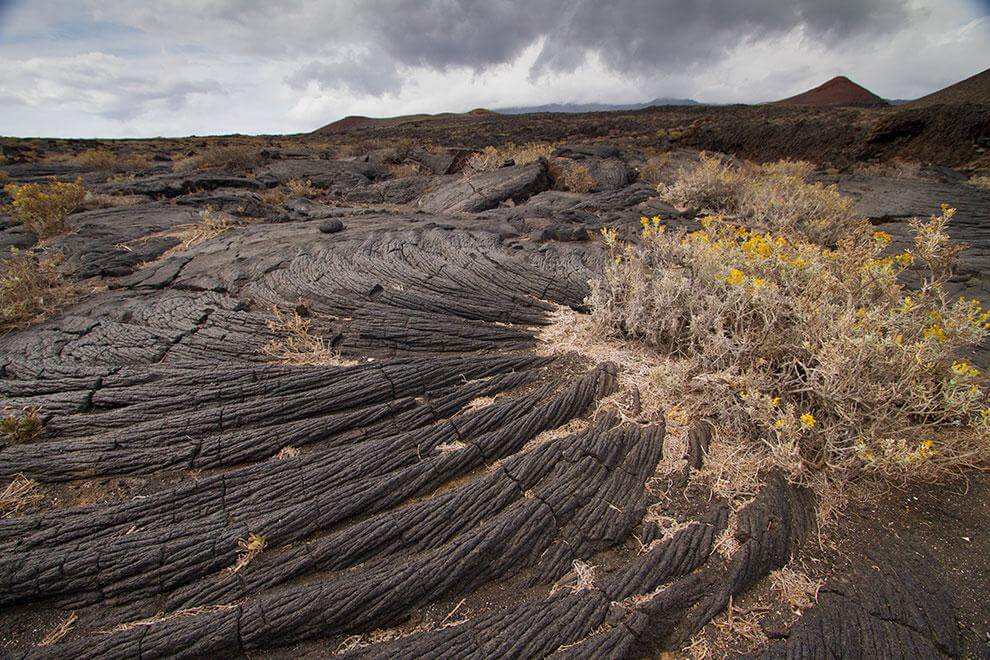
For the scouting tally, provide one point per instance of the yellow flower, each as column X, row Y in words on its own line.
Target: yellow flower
column 807, row 420
column 643, row 220
column 904, row 259
column 735, row 277
column 759, row 282
column 964, row 369
column 907, row 304
column 779, row 423
column 882, row 237
column 798, row 263
column 775, row 401
column 935, row 331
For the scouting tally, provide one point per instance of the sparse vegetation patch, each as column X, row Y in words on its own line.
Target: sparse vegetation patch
column 43, row 207
column 295, row 342
column 818, row 353
column 18, row 426
column 31, row 287
column 211, row 224
column 232, row 157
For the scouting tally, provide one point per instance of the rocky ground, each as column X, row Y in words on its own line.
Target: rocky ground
column 445, row 484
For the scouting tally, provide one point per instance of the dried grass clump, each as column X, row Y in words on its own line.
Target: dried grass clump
column 491, row 158
column 653, row 169
column 32, row 287
column 19, row 494
column 211, row 224
column 43, row 207
column 300, row 188
column 104, row 201
column 296, row 344
column 795, row 588
column 771, row 196
column 895, row 168
column 401, row 170
column 19, row 426
column 577, row 178
column 231, row 157
column 108, row 161
column 250, row 547
column 980, row 182
column 819, row 353
column 60, row 631
column 274, row 196
column 580, row 578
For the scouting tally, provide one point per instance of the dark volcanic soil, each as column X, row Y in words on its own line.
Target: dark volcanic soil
column 440, row 485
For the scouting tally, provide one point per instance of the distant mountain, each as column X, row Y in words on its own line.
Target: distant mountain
column 592, row 107
column 975, row 89
column 839, row 91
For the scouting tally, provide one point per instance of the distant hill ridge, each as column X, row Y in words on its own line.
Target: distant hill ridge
column 839, row 91
column 592, row 107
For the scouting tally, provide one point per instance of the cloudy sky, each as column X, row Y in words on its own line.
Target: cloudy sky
column 122, row 68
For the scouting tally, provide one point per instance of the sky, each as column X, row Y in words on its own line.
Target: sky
column 121, row 68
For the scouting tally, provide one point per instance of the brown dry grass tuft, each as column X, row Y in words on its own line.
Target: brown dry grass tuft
column 577, row 178
column 491, row 158
column 401, row 170
column 211, row 224
column 18, row 495
column 895, row 168
column 286, row 452
column 104, row 201
column 161, row 617
column 795, row 588
column 108, row 161
column 32, row 287
column 60, row 631
column 231, row 157
column 296, row 344
column 653, row 169
column 580, row 578
column 251, row 547
column 980, row 182
column 19, row 426
column 301, row 188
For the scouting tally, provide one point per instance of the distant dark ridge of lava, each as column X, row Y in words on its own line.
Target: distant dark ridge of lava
column 975, row 89
column 839, row 91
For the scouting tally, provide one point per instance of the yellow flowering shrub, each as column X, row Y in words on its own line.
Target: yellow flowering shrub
column 771, row 196
column 820, row 352
column 43, row 207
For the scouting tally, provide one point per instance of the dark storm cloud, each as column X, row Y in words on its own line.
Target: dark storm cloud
column 636, row 37
column 629, row 36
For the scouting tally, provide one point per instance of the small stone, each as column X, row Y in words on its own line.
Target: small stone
column 331, row 226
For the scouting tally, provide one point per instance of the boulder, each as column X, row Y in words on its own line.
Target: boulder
column 173, row 184
column 581, row 151
column 112, row 242
column 333, row 175
column 391, row 191
column 489, row 189
column 331, row 226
